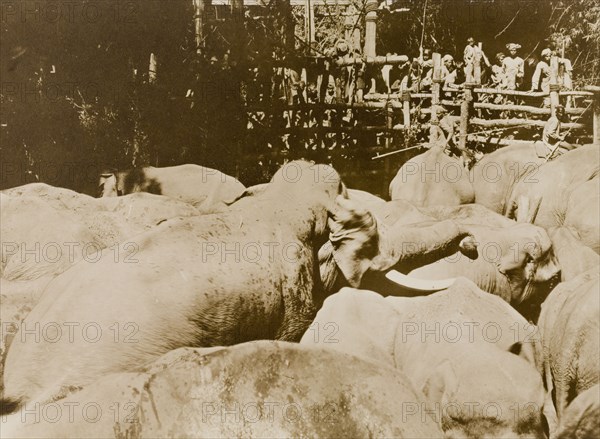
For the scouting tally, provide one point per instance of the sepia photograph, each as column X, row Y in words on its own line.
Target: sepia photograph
column 304, row 219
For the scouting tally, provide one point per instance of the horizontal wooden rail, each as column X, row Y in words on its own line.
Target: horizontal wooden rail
column 377, row 60
column 340, row 129
column 575, row 93
column 520, row 122
column 450, row 103
column 395, row 96
column 500, row 142
column 319, row 106
column 533, row 94
column 525, row 108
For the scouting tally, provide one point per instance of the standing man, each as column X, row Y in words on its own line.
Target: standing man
column 498, row 79
column 541, row 76
column 471, row 52
column 514, row 67
column 552, row 138
column 426, row 74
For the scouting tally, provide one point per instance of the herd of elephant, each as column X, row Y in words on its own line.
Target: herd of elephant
column 182, row 304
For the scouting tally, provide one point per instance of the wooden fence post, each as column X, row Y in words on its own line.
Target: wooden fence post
column 152, row 67
column 477, row 66
column 371, row 28
column 198, row 15
column 389, row 123
column 406, row 109
column 596, row 104
column 435, row 96
column 554, row 87
column 465, row 107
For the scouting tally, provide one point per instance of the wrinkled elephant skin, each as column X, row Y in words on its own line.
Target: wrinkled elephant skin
column 433, row 179
column 250, row 273
column 429, row 339
column 257, row 389
column 569, row 326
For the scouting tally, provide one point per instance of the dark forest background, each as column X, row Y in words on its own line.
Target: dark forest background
column 77, row 96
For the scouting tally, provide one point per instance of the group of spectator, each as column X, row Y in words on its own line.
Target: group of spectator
column 507, row 73
column 327, row 82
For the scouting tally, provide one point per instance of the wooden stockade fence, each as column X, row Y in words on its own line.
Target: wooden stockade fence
column 378, row 124
column 380, row 118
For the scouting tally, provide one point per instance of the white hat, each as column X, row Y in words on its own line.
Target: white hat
column 447, row 58
column 546, row 52
column 513, row 46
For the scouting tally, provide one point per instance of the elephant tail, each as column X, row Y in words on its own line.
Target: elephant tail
column 9, row 405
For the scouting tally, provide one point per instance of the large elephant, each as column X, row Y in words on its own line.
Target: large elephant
column 459, row 346
column 203, row 187
column 255, row 271
column 433, row 179
column 256, row 389
column 569, row 327
column 495, row 175
column 574, row 257
column 581, row 419
column 45, row 230
column 514, row 261
column 583, row 212
column 569, row 182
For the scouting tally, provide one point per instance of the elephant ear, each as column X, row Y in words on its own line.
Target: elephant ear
column 354, row 239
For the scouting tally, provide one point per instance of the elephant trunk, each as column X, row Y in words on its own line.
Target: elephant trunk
column 410, row 247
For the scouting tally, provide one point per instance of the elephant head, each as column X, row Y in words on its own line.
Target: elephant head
column 531, row 263
column 362, row 248
column 516, row 262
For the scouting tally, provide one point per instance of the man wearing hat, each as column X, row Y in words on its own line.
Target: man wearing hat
column 541, row 76
column 514, row 67
column 551, row 136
